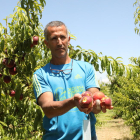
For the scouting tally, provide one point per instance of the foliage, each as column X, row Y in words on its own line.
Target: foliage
column 137, row 16
column 21, row 118
column 125, row 91
column 101, row 63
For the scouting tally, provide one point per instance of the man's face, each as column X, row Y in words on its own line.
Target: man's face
column 58, row 41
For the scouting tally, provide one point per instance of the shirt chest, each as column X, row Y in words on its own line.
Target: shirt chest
column 66, row 86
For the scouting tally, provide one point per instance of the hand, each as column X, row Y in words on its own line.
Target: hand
column 97, row 108
column 77, row 98
column 103, row 108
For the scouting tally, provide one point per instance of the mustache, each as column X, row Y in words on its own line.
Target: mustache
column 60, row 46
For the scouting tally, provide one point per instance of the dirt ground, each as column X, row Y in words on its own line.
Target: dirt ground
column 114, row 129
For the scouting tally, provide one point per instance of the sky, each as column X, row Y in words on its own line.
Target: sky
column 105, row 26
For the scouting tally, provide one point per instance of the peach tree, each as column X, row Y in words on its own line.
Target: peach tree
column 125, row 91
column 21, row 47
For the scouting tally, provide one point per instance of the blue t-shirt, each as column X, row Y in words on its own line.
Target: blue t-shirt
column 63, row 86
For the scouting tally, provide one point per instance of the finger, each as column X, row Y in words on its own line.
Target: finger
column 103, row 109
column 111, row 107
column 77, row 96
column 89, row 110
column 83, row 109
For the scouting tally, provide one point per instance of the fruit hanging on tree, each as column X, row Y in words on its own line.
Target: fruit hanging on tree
column 7, row 79
column 21, row 96
column 13, row 70
column 7, row 63
column 35, row 40
column 12, row 93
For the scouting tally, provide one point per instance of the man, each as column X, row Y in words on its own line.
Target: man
column 58, row 87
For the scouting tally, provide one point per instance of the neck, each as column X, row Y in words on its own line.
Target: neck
column 60, row 61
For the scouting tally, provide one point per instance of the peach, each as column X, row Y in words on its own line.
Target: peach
column 7, row 63
column 13, row 71
column 86, row 102
column 106, row 101
column 98, row 95
column 7, row 79
column 12, row 93
column 35, row 40
column 21, row 96
column 86, row 93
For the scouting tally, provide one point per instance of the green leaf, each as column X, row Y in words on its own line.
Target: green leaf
column 3, row 123
column 2, row 45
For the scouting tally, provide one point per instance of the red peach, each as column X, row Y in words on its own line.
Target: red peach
column 31, row 45
column 12, row 93
column 8, row 64
column 7, row 79
column 35, row 40
column 86, row 102
column 4, row 61
column 86, row 93
column 106, row 101
column 21, row 97
column 98, row 95
column 13, row 71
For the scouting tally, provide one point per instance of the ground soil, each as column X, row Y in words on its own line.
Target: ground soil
column 112, row 129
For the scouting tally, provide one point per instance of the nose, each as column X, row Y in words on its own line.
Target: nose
column 59, row 41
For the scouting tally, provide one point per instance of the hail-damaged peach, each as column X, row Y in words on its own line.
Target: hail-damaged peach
column 86, row 102
column 106, row 101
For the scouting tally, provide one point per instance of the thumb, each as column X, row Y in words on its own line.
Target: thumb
column 77, row 96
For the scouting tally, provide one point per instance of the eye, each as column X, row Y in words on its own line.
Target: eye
column 54, row 38
column 63, row 37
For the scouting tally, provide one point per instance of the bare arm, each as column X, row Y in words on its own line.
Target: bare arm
column 55, row 108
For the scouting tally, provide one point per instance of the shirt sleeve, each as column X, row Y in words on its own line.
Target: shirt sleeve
column 40, row 85
column 91, row 79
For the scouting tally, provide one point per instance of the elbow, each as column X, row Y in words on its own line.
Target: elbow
column 47, row 112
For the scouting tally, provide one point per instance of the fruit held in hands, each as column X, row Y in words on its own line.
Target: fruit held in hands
column 106, row 101
column 98, row 106
column 86, row 102
column 102, row 100
column 98, row 95
column 12, row 93
column 86, row 93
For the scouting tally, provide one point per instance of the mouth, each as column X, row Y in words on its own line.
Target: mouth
column 60, row 49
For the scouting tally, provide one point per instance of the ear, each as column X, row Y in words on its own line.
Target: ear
column 69, row 41
column 46, row 43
